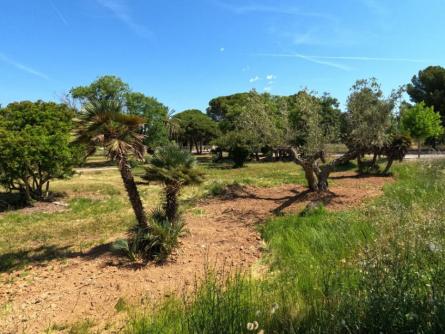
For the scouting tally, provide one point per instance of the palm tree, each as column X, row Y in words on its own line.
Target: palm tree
column 103, row 124
column 175, row 168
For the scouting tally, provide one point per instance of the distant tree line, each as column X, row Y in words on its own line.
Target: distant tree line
column 37, row 138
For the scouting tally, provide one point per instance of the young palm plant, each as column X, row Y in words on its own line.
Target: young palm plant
column 175, row 168
column 103, row 124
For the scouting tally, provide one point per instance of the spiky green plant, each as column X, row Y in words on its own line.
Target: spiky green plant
column 175, row 168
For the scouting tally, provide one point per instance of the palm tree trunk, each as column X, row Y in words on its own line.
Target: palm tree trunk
column 132, row 191
column 171, row 202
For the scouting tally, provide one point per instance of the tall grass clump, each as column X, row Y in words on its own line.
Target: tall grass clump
column 401, row 286
column 229, row 305
column 380, row 269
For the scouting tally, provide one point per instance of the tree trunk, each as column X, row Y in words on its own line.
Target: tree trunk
column 374, row 159
column 132, row 191
column 311, row 177
column 388, row 166
column 171, row 202
column 197, row 147
column 360, row 163
column 419, row 146
column 257, row 156
column 323, row 183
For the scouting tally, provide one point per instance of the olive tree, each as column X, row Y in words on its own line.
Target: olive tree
column 35, row 147
column 370, row 121
column 307, row 139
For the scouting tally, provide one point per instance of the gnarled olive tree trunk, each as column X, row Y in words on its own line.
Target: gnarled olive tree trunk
column 317, row 175
column 132, row 191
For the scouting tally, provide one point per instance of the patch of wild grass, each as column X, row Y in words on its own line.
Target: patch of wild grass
column 378, row 270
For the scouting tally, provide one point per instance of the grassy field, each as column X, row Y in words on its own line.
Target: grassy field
column 370, row 271
column 377, row 269
column 99, row 212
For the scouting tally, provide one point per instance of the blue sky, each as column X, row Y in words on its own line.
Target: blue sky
column 185, row 52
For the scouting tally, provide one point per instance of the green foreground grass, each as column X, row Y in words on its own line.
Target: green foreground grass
column 378, row 270
column 99, row 212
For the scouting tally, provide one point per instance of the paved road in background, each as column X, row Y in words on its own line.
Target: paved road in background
column 425, row 156
column 407, row 157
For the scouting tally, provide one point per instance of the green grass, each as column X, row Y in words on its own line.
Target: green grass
column 99, row 210
column 381, row 269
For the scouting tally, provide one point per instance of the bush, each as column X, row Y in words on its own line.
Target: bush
column 239, row 155
column 154, row 243
column 35, row 147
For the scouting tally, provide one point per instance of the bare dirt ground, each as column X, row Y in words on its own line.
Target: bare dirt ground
column 221, row 232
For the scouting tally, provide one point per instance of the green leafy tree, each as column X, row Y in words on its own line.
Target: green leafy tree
column 101, row 123
column 175, row 168
column 369, row 120
column 421, row 122
column 306, row 136
column 195, row 129
column 35, row 147
column 112, row 88
column 428, row 86
column 331, row 118
column 237, row 144
column 155, row 116
column 225, row 109
column 252, row 129
column 107, row 87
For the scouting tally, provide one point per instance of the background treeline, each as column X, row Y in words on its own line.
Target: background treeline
column 36, row 138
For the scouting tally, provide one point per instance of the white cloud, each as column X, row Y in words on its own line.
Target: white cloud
column 311, row 59
column 267, row 89
column 22, row 67
column 121, row 11
column 271, row 77
column 222, row 49
column 275, row 9
column 254, row 79
column 409, row 60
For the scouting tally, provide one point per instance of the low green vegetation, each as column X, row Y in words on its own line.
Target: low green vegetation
column 363, row 271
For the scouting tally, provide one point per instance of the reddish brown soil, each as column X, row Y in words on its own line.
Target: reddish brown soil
column 221, row 232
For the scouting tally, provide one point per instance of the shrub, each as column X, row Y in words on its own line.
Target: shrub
column 239, row 155
column 35, row 147
column 154, row 243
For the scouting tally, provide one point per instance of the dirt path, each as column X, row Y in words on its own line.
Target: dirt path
column 221, row 231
